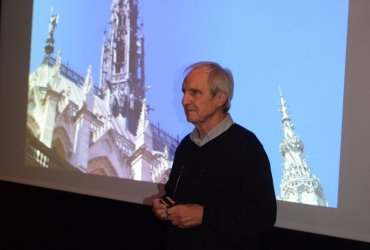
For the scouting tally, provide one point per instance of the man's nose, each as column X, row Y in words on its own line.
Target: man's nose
column 185, row 99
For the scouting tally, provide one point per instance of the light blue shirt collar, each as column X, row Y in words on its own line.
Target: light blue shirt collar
column 224, row 125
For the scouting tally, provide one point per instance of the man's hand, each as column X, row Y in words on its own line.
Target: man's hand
column 159, row 209
column 185, row 216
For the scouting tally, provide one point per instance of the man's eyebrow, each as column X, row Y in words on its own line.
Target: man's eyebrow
column 192, row 89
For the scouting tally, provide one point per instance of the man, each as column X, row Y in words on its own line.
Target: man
column 220, row 192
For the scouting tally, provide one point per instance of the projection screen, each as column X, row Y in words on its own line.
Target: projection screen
column 91, row 93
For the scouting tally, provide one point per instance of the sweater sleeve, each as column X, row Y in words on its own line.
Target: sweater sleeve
column 255, row 209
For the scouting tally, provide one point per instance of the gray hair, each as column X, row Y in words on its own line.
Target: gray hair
column 219, row 79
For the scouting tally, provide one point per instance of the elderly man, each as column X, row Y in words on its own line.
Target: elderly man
column 220, row 192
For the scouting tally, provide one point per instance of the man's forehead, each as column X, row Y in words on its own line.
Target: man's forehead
column 195, row 84
column 196, row 76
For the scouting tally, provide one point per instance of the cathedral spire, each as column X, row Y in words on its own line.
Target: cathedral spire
column 88, row 81
column 288, row 126
column 122, row 72
column 49, row 45
column 144, row 133
column 297, row 184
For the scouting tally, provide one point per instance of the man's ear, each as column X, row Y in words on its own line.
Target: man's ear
column 221, row 98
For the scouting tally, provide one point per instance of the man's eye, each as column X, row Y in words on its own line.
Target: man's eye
column 194, row 92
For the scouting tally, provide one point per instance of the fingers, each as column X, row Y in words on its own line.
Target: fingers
column 159, row 209
column 185, row 216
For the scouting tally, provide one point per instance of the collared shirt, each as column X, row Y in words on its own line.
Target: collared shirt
column 216, row 131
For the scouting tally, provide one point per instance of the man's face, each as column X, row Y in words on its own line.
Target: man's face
column 201, row 108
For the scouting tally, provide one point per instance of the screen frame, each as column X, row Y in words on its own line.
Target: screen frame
column 354, row 175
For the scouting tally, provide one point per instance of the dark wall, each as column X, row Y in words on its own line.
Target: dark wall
column 39, row 218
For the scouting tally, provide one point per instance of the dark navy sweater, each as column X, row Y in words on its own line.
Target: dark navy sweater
column 230, row 176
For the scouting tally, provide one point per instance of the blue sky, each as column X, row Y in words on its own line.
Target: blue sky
column 297, row 45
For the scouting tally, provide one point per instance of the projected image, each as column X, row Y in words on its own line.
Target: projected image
column 105, row 85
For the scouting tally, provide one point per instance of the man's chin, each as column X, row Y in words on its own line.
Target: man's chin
column 190, row 119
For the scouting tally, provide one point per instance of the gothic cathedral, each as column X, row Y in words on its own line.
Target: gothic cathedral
column 99, row 128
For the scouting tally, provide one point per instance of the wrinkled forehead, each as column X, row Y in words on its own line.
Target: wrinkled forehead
column 197, row 75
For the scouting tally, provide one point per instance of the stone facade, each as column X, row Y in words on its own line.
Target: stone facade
column 101, row 128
